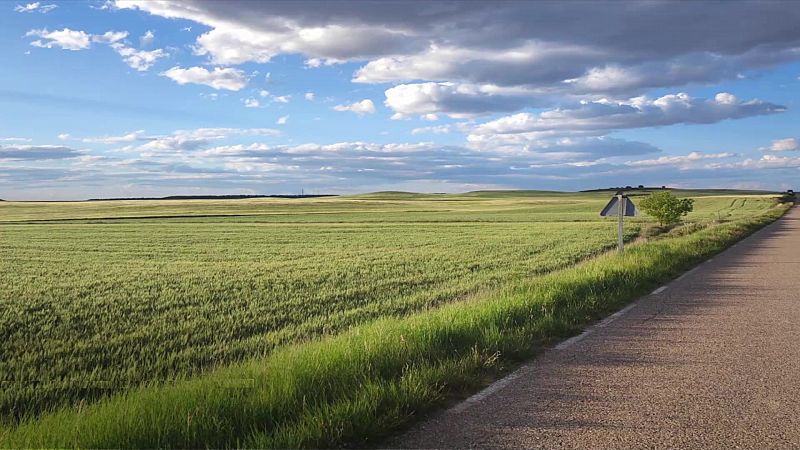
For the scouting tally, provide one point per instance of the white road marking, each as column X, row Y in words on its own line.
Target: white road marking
column 615, row 316
column 604, row 323
column 573, row 340
column 489, row 390
column 687, row 273
column 503, row 382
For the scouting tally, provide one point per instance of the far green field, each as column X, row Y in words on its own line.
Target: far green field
column 96, row 297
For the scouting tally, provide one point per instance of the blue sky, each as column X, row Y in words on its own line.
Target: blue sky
column 135, row 98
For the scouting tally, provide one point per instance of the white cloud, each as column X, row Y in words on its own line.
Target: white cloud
column 36, row 152
column 140, row 60
column 109, row 37
column 782, row 145
column 282, row 120
column 66, row 39
column 529, row 63
column 363, row 107
column 770, row 162
column 679, row 160
column 461, row 127
column 35, row 7
column 438, row 129
column 537, row 47
column 218, row 78
column 182, row 141
column 725, row 98
column 455, row 100
column 125, row 138
column 309, row 96
column 15, row 139
column 606, row 115
column 147, row 39
column 251, row 103
column 263, row 93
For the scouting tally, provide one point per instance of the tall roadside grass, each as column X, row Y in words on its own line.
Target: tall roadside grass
column 359, row 386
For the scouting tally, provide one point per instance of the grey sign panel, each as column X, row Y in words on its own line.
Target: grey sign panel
column 611, row 209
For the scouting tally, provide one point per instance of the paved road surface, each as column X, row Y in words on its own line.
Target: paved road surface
column 712, row 361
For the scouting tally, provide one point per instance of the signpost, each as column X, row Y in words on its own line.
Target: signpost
column 620, row 205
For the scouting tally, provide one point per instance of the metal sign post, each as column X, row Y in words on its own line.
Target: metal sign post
column 621, row 206
column 620, row 223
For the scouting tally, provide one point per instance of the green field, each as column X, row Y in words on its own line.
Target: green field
column 99, row 297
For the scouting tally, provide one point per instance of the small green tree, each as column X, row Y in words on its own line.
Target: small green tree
column 666, row 208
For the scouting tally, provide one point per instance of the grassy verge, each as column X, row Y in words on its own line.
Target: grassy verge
column 359, row 386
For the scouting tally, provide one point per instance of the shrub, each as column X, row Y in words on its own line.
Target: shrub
column 666, row 207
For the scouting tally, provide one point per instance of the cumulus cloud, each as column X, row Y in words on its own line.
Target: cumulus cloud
column 109, row 37
column 362, row 107
column 770, row 162
column 35, row 7
column 140, row 60
column 606, row 115
column 147, row 39
column 185, row 161
column 283, row 120
column 533, row 44
column 127, row 137
column 530, row 63
column 251, row 103
column 680, row 160
column 782, row 145
column 309, row 96
column 179, row 141
column 190, row 140
column 219, row 78
column 454, row 100
column 454, row 57
column 66, row 39
column 442, row 129
column 36, row 152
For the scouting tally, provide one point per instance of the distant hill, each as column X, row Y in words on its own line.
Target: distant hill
column 629, row 188
column 632, row 190
column 208, row 197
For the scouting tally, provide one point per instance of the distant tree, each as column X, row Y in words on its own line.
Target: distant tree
column 666, row 207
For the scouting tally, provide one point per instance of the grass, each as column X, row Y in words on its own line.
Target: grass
column 357, row 384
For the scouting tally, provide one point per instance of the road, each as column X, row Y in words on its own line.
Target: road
column 710, row 361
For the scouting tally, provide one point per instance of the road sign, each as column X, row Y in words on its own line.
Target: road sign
column 612, row 208
column 620, row 205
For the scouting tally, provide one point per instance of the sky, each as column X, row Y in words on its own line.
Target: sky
column 143, row 98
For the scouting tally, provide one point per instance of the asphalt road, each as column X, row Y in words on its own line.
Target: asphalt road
column 711, row 361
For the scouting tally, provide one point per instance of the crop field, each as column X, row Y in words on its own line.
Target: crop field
column 98, row 297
